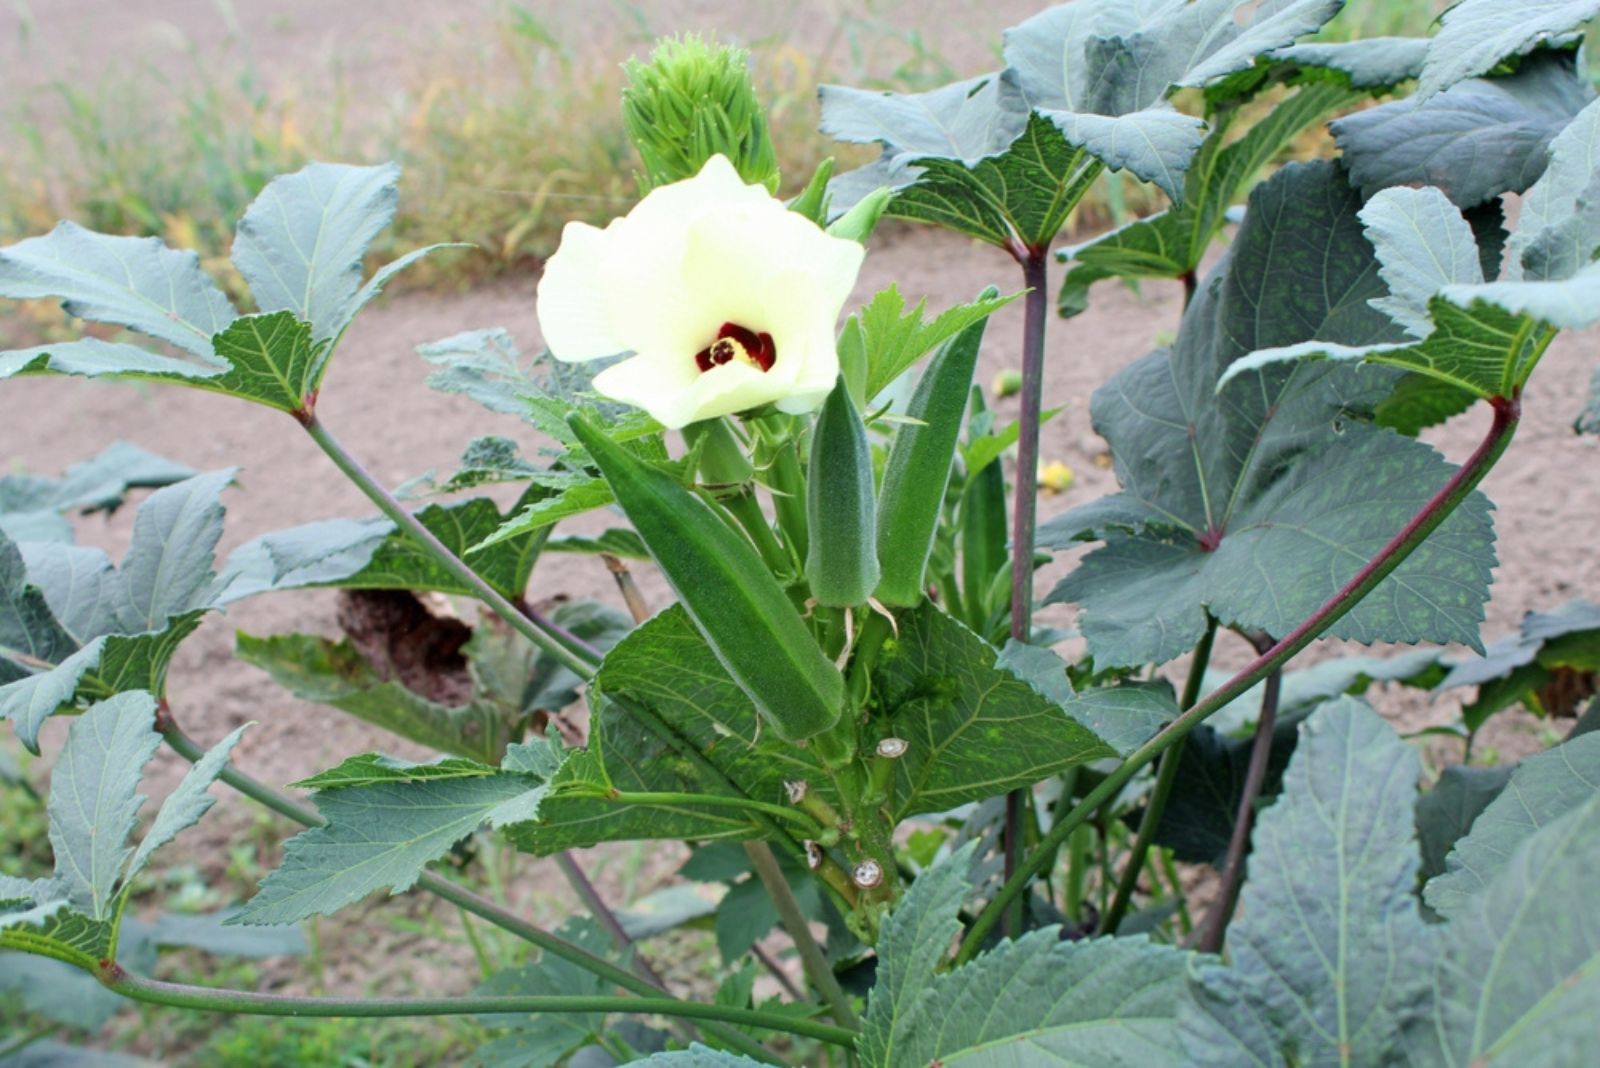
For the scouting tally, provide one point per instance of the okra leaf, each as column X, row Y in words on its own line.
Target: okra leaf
column 133, row 282
column 894, row 338
column 1172, row 243
column 184, row 807
column 371, row 554
column 98, row 484
column 1329, row 953
column 1259, row 508
column 383, row 835
column 1103, row 1002
column 696, row 704
column 1369, row 63
column 302, row 243
column 1516, row 974
column 1478, row 35
column 975, row 729
column 122, row 624
column 94, row 800
column 335, row 673
column 1477, row 140
column 1447, row 812
column 1102, row 71
column 1543, row 788
column 697, row 1056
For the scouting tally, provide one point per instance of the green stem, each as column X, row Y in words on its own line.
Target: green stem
column 794, row 921
column 1166, row 775
column 446, row 890
column 806, row 824
column 250, row 1003
column 744, row 508
column 529, row 627
column 832, row 876
column 23, row 1041
column 1392, row 555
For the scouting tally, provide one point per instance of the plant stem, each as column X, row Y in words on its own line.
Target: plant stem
column 794, row 921
column 1166, row 775
column 578, row 879
column 1239, row 843
column 807, row 825
column 770, row 963
column 520, row 622
column 457, row 895
column 250, row 1003
column 1191, row 285
column 1024, row 514
column 1392, row 555
column 638, row 607
column 746, row 510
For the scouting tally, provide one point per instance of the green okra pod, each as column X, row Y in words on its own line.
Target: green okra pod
column 736, row 604
column 918, row 471
column 841, row 509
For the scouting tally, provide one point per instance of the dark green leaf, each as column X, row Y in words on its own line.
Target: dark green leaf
column 974, row 728
column 1260, row 506
column 617, row 541
column 1481, row 138
column 1197, row 823
column 1328, row 953
column 1023, row 195
column 700, row 705
column 272, row 360
column 1446, row 813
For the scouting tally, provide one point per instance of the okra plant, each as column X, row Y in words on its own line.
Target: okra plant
column 849, row 711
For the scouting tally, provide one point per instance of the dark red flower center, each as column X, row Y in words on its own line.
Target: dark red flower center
column 735, row 342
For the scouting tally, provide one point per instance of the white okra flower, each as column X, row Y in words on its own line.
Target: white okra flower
column 726, row 299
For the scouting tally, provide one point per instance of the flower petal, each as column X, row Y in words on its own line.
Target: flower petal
column 573, row 302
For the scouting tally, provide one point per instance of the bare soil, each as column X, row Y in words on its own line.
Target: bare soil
column 374, row 398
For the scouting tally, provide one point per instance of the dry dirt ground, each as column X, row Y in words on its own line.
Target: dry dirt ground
column 375, row 399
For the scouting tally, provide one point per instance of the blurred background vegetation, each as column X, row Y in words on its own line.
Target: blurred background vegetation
column 504, row 137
